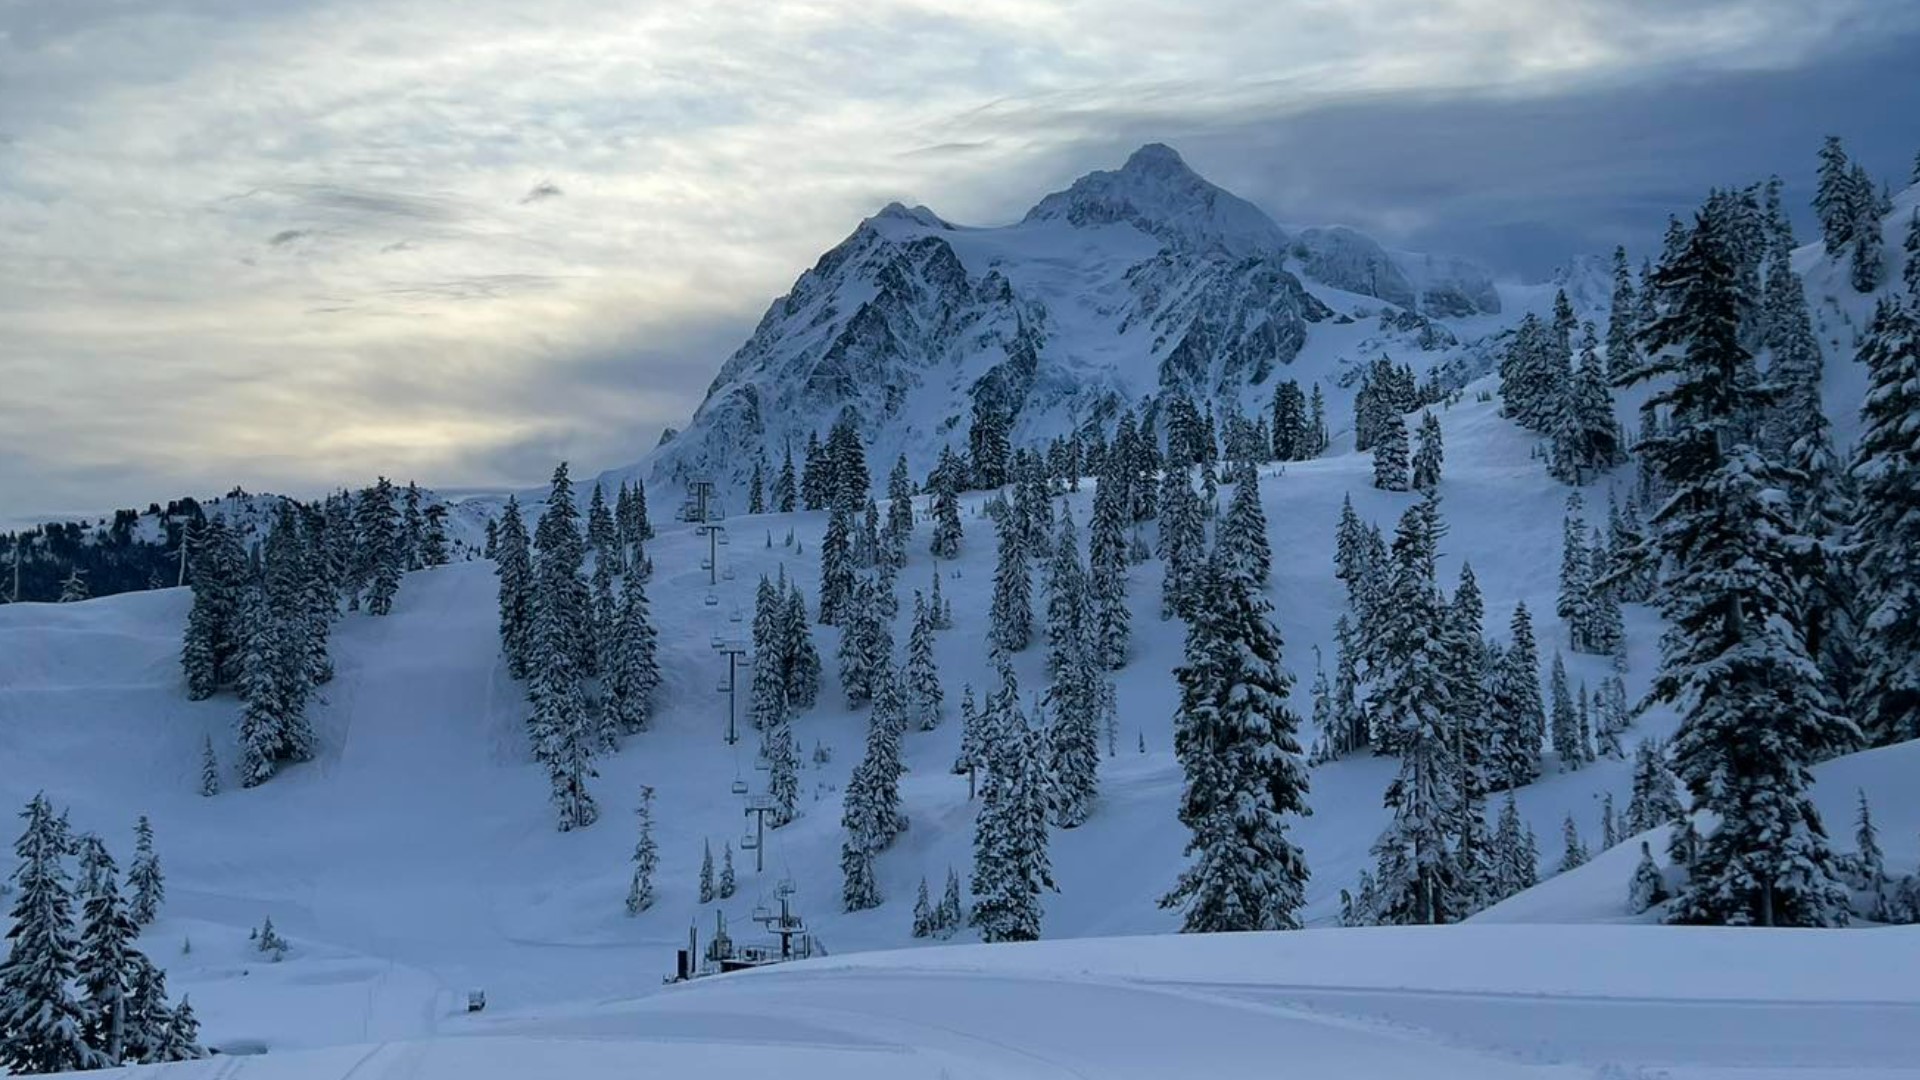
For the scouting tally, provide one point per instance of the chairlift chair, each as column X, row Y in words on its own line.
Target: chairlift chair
column 736, row 616
column 749, row 842
column 712, row 600
column 739, row 787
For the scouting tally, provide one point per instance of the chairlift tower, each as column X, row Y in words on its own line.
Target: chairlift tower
column 735, row 651
column 716, row 535
column 700, row 491
column 758, row 807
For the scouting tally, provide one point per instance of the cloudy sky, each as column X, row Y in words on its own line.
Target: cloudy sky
column 288, row 243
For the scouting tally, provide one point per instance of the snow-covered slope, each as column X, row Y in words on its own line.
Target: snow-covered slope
column 416, row 856
column 1130, row 282
column 1473, row 1003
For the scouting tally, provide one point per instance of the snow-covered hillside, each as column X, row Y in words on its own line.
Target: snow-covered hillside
column 416, row 856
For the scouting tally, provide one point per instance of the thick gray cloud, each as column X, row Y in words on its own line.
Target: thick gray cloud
column 287, row 243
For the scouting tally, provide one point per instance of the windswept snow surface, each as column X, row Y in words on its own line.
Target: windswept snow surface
column 1473, row 1003
column 416, row 856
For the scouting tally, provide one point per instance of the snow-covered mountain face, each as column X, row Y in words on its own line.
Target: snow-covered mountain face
column 1128, row 284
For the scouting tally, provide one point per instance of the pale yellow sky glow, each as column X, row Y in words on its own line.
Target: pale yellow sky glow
column 292, row 243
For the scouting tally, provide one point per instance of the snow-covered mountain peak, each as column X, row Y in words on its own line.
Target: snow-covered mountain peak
column 1157, row 193
column 915, row 215
column 1131, row 283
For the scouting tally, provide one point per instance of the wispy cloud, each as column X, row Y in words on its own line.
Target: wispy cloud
column 293, row 242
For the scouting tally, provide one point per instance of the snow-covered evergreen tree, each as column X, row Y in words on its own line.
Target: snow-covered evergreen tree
column 1077, row 701
column 1648, row 886
column 209, row 769
column 1656, row 797
column 815, row 485
column 210, row 654
column 1238, row 746
column 1390, row 456
column 946, row 506
column 1292, row 434
column 706, row 873
column 1565, row 730
column 1886, row 466
column 923, row 919
column 1606, row 633
column 106, row 958
column 558, row 725
column 786, row 489
column 1427, row 454
column 949, row 914
column 803, row 659
column 41, row 1024
column 1468, row 691
column 1574, row 605
column 871, row 813
column 413, row 529
column 1622, row 319
column 1573, row 853
column 143, row 875
column 836, row 566
column 1836, row 198
column 925, row 700
column 887, row 726
column 1011, row 620
column 899, row 527
column 783, row 770
column 1010, row 864
column 630, row 669
column 1516, row 857
column 646, row 857
column 1586, row 437
column 1111, row 620
column 1866, row 260
column 1755, row 708
column 852, row 484
column 1414, row 870
column 1243, row 532
column 939, row 610
column 1183, row 544
column 1867, row 866
column 381, row 543
column 866, row 651
column 1536, row 368
column 513, row 564
column 1910, row 271
column 729, row 883
column 273, row 727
